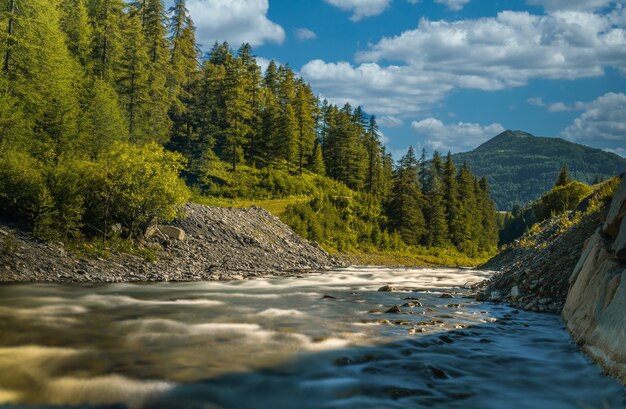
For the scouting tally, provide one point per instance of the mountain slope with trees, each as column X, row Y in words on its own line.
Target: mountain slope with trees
column 520, row 166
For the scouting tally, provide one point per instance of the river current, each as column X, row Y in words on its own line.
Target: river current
column 328, row 340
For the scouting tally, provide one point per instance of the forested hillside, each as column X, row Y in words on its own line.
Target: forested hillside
column 520, row 167
column 105, row 103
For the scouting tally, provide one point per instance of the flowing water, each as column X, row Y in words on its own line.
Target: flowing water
column 318, row 341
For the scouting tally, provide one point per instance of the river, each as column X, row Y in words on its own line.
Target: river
column 323, row 340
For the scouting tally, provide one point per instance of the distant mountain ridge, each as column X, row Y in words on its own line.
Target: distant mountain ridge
column 521, row 166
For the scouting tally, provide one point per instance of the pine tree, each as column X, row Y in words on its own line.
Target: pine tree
column 467, row 216
column 451, row 199
column 305, row 111
column 436, row 210
column 75, row 23
column 405, row 208
column 488, row 239
column 373, row 148
column 564, row 177
column 103, row 121
column 183, row 78
column 133, row 82
column 237, row 113
column 107, row 49
column 316, row 162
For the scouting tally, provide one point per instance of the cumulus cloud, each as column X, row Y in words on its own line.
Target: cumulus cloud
column 361, row 8
column 303, row 34
column 603, row 122
column 487, row 54
column 458, row 137
column 618, row 151
column 235, row 21
column 389, row 90
column 454, row 5
column 580, row 5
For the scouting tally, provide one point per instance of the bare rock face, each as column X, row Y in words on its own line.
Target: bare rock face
column 595, row 308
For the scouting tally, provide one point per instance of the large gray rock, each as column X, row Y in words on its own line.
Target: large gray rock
column 617, row 211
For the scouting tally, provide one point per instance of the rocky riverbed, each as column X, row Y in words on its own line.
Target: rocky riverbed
column 210, row 243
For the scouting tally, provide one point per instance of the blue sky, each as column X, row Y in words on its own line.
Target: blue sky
column 447, row 74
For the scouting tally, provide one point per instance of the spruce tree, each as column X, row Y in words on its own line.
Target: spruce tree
column 305, row 106
column 75, row 22
column 373, row 148
column 451, row 199
column 316, row 162
column 564, row 177
column 133, row 80
column 436, row 209
column 107, row 49
column 237, row 113
column 405, row 208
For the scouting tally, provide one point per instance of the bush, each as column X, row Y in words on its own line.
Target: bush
column 560, row 199
column 135, row 186
column 130, row 185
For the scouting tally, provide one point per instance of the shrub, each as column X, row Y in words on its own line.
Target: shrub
column 560, row 199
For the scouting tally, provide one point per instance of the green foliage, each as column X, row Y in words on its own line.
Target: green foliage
column 129, row 185
column 560, row 199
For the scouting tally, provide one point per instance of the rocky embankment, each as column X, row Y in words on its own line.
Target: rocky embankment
column 210, row 243
column 534, row 273
column 595, row 309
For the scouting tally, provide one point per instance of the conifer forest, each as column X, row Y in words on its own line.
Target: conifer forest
column 112, row 118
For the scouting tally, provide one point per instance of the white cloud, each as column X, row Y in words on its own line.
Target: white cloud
column 602, row 122
column 536, row 101
column 390, row 121
column 556, row 106
column 487, row 54
column 381, row 90
column 454, row 5
column 458, row 137
column 303, row 34
column 361, row 8
column 580, row 5
column 235, row 21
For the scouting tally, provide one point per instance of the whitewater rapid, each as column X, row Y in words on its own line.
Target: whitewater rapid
column 324, row 340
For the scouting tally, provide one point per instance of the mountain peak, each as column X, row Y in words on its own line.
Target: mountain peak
column 505, row 137
column 520, row 166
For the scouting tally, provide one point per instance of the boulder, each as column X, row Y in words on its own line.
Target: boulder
column 172, row 232
column 617, row 210
column 515, row 293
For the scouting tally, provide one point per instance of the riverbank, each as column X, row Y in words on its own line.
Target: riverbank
column 210, row 243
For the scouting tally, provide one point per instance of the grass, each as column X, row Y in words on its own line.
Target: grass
column 412, row 257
